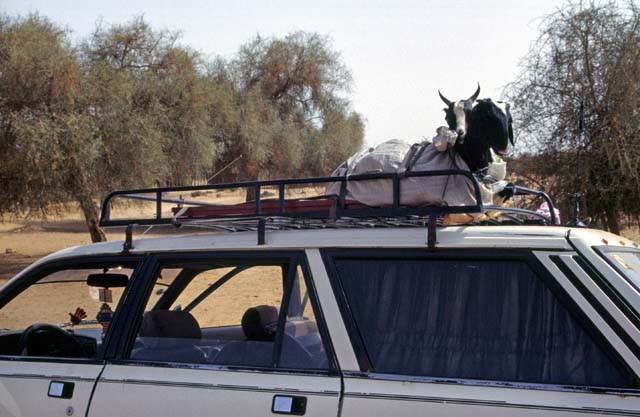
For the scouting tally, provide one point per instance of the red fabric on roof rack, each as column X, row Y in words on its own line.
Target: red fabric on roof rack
column 267, row 207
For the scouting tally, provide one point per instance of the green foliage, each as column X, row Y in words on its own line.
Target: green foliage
column 589, row 51
column 292, row 116
column 340, row 137
column 130, row 108
column 37, row 67
column 300, row 73
column 151, row 103
column 39, row 93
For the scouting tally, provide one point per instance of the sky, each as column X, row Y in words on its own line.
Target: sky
column 399, row 52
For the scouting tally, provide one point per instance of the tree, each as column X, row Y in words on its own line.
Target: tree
column 586, row 51
column 340, row 137
column 140, row 80
column 300, row 73
column 46, row 142
column 293, row 117
column 126, row 110
column 131, row 108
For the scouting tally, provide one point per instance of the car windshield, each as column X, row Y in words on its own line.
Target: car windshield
column 625, row 260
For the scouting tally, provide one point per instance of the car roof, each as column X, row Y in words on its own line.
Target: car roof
column 540, row 237
column 453, row 237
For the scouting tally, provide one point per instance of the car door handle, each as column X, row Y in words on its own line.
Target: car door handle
column 61, row 389
column 287, row 404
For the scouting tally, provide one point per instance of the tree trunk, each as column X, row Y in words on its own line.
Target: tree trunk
column 612, row 221
column 90, row 211
column 250, row 194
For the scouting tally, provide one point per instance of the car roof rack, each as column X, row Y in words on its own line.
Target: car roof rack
column 321, row 211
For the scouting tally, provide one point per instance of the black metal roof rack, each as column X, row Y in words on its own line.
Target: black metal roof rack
column 321, row 211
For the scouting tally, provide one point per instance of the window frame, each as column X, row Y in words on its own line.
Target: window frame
column 158, row 261
column 330, row 255
column 14, row 288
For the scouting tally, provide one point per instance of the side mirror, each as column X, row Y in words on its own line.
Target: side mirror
column 107, row 280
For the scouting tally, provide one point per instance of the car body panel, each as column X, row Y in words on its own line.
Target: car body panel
column 154, row 391
column 138, row 388
column 600, row 322
column 451, row 236
column 339, row 336
column 374, row 395
column 585, row 242
column 24, row 387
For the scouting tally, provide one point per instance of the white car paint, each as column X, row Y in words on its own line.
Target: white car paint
column 128, row 389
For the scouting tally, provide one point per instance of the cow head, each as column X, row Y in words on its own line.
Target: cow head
column 457, row 113
column 490, row 127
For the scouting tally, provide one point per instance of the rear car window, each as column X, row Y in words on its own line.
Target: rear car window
column 471, row 319
column 624, row 260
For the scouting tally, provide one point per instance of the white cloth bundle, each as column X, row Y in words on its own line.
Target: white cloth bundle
column 398, row 156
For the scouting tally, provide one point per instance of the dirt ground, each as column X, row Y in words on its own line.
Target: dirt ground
column 23, row 242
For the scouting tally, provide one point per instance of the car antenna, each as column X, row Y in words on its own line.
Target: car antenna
column 576, row 222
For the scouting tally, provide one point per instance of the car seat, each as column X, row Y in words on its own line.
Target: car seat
column 259, row 325
column 169, row 336
column 259, row 329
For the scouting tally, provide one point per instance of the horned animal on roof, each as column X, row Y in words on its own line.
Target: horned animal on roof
column 481, row 125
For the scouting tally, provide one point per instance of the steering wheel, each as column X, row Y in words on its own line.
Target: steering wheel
column 42, row 339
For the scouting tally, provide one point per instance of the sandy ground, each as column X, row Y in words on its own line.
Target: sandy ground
column 24, row 242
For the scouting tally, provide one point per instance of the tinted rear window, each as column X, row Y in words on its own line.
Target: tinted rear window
column 475, row 319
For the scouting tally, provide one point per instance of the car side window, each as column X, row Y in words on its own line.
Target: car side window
column 258, row 285
column 65, row 313
column 471, row 319
column 229, row 314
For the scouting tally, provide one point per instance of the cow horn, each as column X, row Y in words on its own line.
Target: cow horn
column 475, row 95
column 446, row 101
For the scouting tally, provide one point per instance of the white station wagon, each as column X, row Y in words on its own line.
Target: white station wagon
column 354, row 312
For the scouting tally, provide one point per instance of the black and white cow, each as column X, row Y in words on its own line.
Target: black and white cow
column 489, row 126
column 481, row 126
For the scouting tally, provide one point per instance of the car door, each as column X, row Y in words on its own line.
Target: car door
column 51, row 340
column 478, row 333
column 223, row 334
